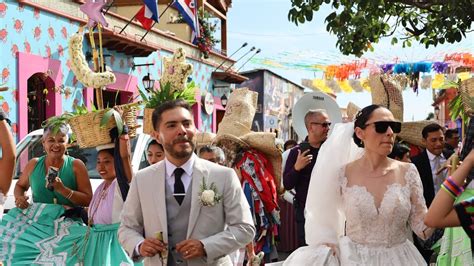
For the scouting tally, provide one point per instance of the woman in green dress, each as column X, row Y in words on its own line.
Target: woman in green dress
column 24, row 228
column 70, row 188
column 40, row 234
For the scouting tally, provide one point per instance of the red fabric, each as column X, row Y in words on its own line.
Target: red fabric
column 147, row 23
column 414, row 150
column 269, row 193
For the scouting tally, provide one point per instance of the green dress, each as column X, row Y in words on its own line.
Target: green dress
column 456, row 245
column 38, row 182
column 39, row 235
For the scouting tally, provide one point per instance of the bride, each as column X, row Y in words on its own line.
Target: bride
column 362, row 205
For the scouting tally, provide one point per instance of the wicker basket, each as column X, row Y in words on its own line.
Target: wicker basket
column 467, row 91
column 147, row 121
column 89, row 133
column 411, row 132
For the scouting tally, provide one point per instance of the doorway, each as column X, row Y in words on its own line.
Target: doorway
column 112, row 97
column 219, row 117
column 40, row 98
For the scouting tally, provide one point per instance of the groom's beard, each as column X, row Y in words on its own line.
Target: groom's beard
column 182, row 153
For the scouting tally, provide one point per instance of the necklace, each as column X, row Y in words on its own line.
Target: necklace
column 103, row 195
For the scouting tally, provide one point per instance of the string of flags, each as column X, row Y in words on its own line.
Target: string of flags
column 424, row 75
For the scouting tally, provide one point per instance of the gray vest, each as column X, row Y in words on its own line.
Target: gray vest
column 178, row 219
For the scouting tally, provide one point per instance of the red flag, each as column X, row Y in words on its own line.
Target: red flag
column 147, row 23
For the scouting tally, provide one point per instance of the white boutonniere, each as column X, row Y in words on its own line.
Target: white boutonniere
column 208, row 195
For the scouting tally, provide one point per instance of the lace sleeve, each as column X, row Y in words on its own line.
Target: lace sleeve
column 418, row 204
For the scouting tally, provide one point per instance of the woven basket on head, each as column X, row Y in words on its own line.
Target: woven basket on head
column 89, row 133
column 387, row 92
column 467, row 91
column 147, row 121
column 411, row 132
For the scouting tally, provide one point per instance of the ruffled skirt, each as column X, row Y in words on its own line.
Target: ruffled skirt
column 38, row 235
column 351, row 253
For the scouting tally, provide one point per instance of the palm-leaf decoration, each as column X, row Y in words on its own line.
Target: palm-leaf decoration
column 457, row 104
column 166, row 93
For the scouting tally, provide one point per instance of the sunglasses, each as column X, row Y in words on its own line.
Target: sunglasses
column 325, row 124
column 382, row 126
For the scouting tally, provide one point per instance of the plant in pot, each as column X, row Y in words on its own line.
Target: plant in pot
column 206, row 40
column 173, row 85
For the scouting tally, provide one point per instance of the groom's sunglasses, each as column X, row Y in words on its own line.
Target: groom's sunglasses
column 382, row 126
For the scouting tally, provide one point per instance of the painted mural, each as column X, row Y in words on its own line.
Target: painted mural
column 29, row 31
column 278, row 103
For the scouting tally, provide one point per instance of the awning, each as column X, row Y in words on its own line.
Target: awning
column 230, row 77
column 129, row 45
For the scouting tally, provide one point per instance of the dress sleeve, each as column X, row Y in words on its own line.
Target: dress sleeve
column 418, row 204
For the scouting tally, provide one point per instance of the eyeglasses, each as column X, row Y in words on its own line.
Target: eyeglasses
column 325, row 124
column 382, row 126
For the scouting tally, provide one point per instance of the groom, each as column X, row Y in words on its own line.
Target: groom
column 169, row 198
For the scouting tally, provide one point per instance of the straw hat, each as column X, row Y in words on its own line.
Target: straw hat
column 387, row 92
column 235, row 131
column 411, row 132
column 203, row 138
column 352, row 110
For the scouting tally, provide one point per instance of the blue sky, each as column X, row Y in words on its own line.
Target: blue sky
column 264, row 24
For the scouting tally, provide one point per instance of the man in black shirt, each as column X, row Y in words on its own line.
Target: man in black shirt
column 300, row 163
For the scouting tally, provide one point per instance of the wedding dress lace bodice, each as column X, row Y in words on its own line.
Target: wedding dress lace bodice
column 402, row 207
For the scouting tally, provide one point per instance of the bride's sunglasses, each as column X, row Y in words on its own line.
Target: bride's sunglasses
column 382, row 126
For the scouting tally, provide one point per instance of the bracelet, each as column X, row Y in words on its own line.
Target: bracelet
column 70, row 194
column 447, row 190
column 449, row 182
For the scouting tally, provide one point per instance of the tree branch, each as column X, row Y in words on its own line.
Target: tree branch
column 414, row 30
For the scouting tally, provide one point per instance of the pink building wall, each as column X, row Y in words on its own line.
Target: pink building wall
column 28, row 65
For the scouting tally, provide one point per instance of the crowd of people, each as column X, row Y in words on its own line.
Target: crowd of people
column 359, row 198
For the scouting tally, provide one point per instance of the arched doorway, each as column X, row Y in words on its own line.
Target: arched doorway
column 40, row 90
column 49, row 71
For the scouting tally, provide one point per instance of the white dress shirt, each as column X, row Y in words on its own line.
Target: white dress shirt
column 442, row 160
column 185, row 178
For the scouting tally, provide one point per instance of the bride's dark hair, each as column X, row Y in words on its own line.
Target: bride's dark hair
column 361, row 120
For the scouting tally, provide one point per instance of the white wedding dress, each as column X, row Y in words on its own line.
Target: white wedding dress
column 366, row 232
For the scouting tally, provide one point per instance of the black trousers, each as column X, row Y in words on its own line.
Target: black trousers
column 300, row 220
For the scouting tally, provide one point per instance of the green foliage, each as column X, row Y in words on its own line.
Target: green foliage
column 359, row 23
column 156, row 97
column 56, row 122
column 207, row 40
column 456, row 109
column 456, row 105
column 112, row 113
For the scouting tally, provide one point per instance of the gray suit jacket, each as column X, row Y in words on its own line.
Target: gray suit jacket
column 222, row 228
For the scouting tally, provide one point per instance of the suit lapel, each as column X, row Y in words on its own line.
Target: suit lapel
column 158, row 188
column 428, row 179
column 199, row 171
